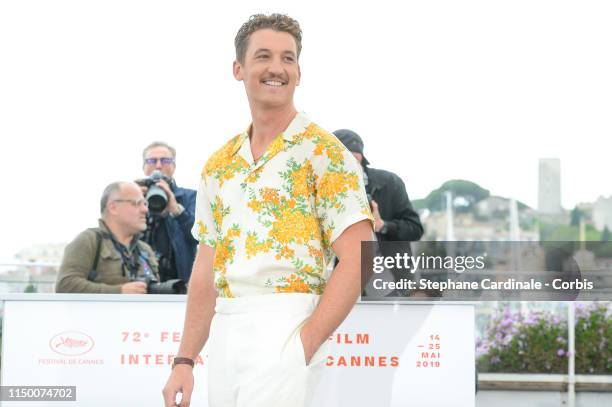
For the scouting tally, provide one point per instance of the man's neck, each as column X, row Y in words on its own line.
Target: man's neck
column 119, row 235
column 269, row 123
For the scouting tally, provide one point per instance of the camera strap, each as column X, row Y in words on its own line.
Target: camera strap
column 93, row 273
column 128, row 261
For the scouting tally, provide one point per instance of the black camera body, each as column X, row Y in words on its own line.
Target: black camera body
column 175, row 286
column 156, row 197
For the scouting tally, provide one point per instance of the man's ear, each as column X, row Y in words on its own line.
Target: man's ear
column 237, row 69
column 111, row 206
column 299, row 76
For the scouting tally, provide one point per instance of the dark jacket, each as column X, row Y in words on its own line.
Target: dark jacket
column 389, row 192
column 178, row 230
column 78, row 261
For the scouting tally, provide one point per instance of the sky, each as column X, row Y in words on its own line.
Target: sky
column 438, row 90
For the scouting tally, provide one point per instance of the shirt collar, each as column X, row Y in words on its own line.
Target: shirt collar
column 297, row 126
column 110, row 234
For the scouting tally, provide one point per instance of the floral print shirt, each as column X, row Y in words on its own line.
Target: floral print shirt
column 272, row 222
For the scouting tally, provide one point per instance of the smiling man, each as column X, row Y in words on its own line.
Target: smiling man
column 274, row 204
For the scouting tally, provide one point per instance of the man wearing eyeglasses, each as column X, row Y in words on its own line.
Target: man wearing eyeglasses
column 170, row 233
column 110, row 258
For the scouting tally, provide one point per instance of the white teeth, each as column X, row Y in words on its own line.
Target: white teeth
column 273, row 83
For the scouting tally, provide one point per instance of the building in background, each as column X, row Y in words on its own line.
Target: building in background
column 549, row 186
column 602, row 213
column 34, row 270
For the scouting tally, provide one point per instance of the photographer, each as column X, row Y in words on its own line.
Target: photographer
column 171, row 213
column 110, row 259
column 395, row 219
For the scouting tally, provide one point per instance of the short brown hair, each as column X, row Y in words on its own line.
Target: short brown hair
column 276, row 22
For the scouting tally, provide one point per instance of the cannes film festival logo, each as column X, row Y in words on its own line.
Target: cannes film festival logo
column 71, row 343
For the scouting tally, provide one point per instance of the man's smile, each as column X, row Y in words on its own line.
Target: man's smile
column 275, row 83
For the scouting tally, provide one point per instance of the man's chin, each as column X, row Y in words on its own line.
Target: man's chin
column 273, row 100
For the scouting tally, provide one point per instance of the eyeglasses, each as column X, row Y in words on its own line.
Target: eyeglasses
column 163, row 160
column 134, row 202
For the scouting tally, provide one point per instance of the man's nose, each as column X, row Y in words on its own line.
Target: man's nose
column 276, row 66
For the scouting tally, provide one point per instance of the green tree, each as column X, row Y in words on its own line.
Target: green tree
column 567, row 233
column 469, row 191
column 419, row 204
column 605, row 236
column 575, row 216
column 30, row 288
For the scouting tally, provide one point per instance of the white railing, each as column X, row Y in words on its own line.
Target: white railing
column 19, row 277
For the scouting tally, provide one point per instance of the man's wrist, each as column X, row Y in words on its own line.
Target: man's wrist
column 384, row 228
column 182, row 361
column 178, row 210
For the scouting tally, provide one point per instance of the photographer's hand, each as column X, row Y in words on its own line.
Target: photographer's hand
column 135, row 287
column 144, row 190
column 378, row 222
column 173, row 206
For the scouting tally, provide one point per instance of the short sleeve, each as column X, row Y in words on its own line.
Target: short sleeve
column 341, row 199
column 203, row 228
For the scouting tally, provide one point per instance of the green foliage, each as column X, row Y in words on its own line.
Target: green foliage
column 418, row 204
column 470, row 191
column 30, row 288
column 601, row 249
column 575, row 216
column 568, row 233
column 605, row 235
column 594, row 340
column 537, row 343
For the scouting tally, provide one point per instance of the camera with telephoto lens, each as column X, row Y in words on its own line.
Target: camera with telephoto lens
column 175, row 286
column 156, row 197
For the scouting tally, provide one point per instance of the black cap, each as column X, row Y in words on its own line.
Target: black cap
column 352, row 142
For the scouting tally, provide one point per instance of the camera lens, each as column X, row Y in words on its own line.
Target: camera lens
column 157, row 199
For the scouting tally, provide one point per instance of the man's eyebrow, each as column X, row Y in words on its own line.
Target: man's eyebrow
column 261, row 50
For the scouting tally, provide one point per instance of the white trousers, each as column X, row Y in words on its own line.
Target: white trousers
column 256, row 357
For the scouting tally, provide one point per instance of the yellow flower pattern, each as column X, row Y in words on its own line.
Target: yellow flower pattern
column 293, row 284
column 224, row 164
column 272, row 223
column 202, row 230
column 224, row 255
column 334, row 185
column 253, row 246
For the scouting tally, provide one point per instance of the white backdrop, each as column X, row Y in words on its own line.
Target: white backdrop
column 119, row 353
column 439, row 90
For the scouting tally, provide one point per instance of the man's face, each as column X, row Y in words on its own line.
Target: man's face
column 159, row 158
column 358, row 156
column 270, row 71
column 129, row 210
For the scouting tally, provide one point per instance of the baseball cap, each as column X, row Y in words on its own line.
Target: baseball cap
column 352, row 142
